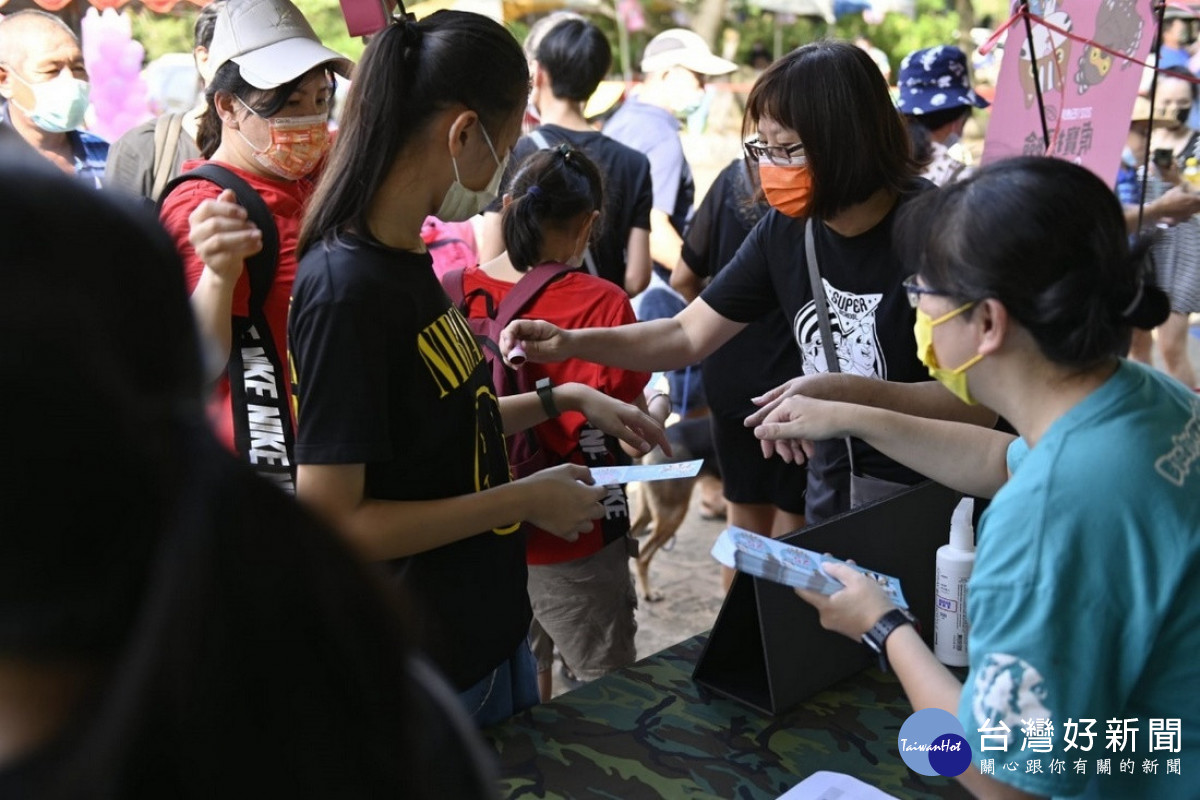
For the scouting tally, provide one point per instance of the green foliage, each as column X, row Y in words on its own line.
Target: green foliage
column 326, row 18
column 173, row 32
column 163, row 33
column 897, row 35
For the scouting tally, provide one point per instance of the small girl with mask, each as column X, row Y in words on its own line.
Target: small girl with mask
column 582, row 595
column 266, row 122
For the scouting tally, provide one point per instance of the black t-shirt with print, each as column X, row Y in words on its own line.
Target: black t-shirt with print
column 388, row 375
column 869, row 312
column 628, row 192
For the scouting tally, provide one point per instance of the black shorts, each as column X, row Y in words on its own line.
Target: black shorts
column 748, row 477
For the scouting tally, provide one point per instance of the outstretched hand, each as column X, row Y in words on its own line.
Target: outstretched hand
column 533, row 340
column 851, row 611
column 626, row 422
column 1177, row 204
column 794, row 423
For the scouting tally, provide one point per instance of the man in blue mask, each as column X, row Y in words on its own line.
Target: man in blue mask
column 45, row 88
column 674, row 67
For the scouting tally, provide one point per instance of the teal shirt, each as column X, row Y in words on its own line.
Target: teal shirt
column 1085, row 599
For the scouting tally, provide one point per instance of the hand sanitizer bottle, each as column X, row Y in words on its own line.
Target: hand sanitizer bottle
column 954, row 563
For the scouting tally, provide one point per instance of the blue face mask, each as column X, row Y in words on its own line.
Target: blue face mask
column 58, row 104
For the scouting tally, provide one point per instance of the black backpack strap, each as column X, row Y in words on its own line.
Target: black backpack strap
column 262, row 418
column 261, row 266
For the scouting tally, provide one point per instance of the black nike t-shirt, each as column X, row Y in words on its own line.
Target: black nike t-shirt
column 388, row 374
column 628, row 192
column 869, row 313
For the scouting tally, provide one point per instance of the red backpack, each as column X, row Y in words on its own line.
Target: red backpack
column 525, row 453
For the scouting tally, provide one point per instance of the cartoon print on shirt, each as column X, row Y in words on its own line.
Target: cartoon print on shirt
column 852, row 320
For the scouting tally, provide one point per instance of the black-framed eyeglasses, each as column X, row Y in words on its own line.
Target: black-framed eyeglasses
column 914, row 291
column 781, row 155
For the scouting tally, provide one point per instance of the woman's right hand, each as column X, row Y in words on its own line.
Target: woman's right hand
column 564, row 501
column 1176, row 205
column 539, row 341
column 795, row 423
column 222, row 236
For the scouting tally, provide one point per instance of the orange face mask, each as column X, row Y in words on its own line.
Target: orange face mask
column 788, row 189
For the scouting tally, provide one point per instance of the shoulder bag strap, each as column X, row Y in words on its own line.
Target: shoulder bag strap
column 529, row 287
column 262, row 419
column 261, row 266
column 167, row 130
column 822, row 308
column 454, row 282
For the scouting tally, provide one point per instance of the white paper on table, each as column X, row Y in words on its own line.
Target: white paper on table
column 825, row 785
column 610, row 476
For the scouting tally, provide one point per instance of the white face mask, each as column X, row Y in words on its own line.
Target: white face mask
column 461, row 203
column 58, row 104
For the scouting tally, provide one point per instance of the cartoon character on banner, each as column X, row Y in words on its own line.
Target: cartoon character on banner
column 1118, row 28
column 1051, row 53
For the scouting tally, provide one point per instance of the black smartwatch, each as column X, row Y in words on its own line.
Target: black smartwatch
column 876, row 638
column 545, row 393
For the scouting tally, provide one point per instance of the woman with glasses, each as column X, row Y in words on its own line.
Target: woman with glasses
column 1084, row 606
column 829, row 148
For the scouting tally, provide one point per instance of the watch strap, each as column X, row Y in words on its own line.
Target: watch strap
column 545, row 393
column 876, row 637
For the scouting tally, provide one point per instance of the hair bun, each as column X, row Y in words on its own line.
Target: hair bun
column 410, row 34
column 1148, row 309
column 1148, row 306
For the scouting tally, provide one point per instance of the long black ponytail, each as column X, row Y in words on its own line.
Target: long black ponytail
column 410, row 71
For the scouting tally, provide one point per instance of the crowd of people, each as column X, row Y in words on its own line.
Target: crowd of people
column 305, row 539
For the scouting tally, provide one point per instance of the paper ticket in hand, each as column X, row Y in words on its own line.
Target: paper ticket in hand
column 778, row 562
column 610, row 476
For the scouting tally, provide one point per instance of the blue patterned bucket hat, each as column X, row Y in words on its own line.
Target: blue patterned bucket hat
column 936, row 79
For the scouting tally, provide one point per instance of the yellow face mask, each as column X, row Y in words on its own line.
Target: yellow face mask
column 953, row 379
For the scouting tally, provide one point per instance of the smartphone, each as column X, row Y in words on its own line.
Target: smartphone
column 1163, row 158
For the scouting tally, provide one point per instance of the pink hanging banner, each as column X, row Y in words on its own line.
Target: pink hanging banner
column 1085, row 55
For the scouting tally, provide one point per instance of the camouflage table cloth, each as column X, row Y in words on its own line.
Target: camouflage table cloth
column 648, row 731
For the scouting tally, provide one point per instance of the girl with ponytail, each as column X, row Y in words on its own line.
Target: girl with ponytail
column 582, row 594
column 400, row 439
column 1083, row 602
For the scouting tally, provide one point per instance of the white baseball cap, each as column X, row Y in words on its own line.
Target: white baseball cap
column 679, row 47
column 271, row 42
